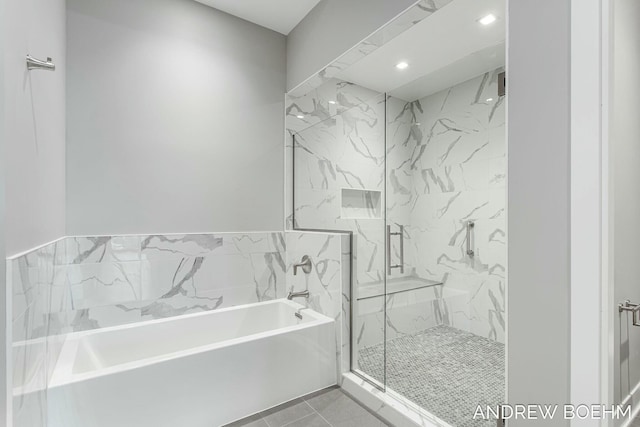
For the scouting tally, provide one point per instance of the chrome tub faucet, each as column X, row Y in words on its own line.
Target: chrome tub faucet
column 301, row 294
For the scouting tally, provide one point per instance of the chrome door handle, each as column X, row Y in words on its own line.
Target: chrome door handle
column 634, row 308
column 470, row 228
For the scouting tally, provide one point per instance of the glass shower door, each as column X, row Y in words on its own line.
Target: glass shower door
column 339, row 184
column 445, row 292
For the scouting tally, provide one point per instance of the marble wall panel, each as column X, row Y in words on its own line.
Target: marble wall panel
column 445, row 165
column 459, row 174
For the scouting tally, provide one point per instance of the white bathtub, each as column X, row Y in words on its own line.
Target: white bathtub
column 197, row 370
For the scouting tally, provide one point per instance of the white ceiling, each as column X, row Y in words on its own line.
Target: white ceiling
column 445, row 49
column 279, row 15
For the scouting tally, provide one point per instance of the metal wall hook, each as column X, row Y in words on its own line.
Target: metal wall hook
column 38, row 64
column 634, row 308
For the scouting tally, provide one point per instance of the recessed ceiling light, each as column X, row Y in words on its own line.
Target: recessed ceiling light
column 489, row 19
column 332, row 102
column 489, row 99
column 401, row 65
column 300, row 116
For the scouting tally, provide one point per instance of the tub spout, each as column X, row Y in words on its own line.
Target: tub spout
column 293, row 295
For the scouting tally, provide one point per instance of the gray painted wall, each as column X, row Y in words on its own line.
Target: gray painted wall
column 35, row 124
column 32, row 138
column 538, row 204
column 175, row 119
column 5, row 336
column 332, row 28
column 625, row 169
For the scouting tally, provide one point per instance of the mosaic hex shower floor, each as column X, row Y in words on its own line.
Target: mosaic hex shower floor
column 446, row 371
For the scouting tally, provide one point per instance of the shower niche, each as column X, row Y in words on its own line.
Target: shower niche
column 406, row 160
column 361, row 204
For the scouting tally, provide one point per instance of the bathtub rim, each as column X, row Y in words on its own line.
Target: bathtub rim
column 63, row 375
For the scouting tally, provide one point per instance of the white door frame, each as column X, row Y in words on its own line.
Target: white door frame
column 591, row 290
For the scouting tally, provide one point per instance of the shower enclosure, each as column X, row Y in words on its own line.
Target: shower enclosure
column 421, row 185
column 417, row 173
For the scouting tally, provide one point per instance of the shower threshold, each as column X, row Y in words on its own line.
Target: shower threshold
column 442, row 371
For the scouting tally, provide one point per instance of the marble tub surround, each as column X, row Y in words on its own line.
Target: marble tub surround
column 83, row 283
column 32, row 277
column 328, row 283
column 123, row 279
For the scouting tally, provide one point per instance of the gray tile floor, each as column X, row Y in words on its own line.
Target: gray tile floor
column 446, row 371
column 327, row 408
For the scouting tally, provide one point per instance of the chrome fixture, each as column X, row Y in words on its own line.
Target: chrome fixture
column 298, row 314
column 470, row 234
column 38, row 64
column 305, row 264
column 502, row 84
column 301, row 294
column 634, row 308
column 401, row 234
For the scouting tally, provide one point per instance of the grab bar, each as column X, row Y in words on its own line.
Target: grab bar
column 401, row 234
column 39, row 64
column 634, row 308
column 470, row 228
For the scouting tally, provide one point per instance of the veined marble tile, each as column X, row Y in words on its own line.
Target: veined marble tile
column 86, row 250
column 26, row 285
column 104, row 283
column 369, row 326
column 187, row 245
column 328, row 282
column 497, row 172
column 136, row 311
column 194, row 275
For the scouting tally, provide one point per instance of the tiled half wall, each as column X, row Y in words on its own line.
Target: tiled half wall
column 82, row 283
